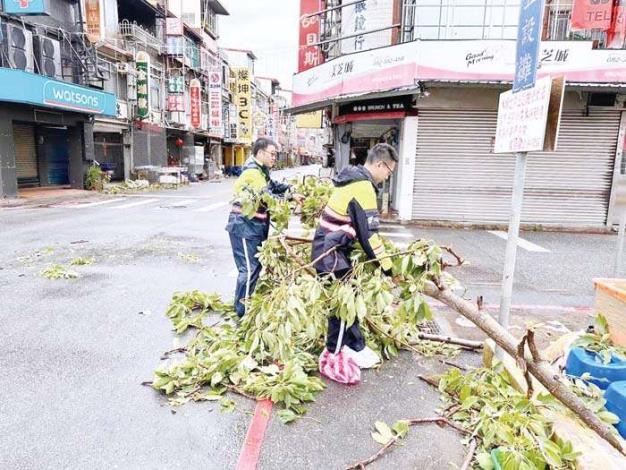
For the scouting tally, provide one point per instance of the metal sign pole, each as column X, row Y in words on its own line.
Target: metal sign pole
column 619, row 261
column 511, row 244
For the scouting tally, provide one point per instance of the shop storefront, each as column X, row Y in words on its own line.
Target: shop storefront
column 46, row 133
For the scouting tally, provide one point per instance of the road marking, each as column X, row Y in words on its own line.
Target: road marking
column 174, row 196
column 184, row 202
column 211, row 207
column 525, row 244
column 396, row 235
column 251, row 451
column 135, row 204
column 92, row 204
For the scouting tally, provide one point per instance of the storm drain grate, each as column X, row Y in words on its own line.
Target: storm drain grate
column 430, row 327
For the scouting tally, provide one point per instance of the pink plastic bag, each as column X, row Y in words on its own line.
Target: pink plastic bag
column 339, row 366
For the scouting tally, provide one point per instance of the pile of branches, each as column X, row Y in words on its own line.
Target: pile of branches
column 272, row 352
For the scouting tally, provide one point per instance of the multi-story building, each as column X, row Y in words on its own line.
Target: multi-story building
column 426, row 77
column 51, row 90
column 147, row 76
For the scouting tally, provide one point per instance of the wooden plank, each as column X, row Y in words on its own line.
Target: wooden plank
column 611, row 302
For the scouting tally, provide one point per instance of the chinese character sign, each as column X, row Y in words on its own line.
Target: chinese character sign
column 92, row 16
column 233, row 121
column 591, row 14
column 215, row 101
column 195, row 91
column 522, row 119
column 309, row 55
column 243, row 100
column 363, row 16
column 528, row 42
column 142, row 64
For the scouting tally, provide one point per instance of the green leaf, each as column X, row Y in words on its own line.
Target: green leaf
column 608, row 417
column 401, row 428
column 382, row 440
column 384, row 430
column 227, row 405
column 287, row 416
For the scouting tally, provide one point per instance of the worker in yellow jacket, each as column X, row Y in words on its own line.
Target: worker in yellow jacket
column 351, row 216
column 247, row 234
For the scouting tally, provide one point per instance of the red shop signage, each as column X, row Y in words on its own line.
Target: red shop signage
column 196, row 113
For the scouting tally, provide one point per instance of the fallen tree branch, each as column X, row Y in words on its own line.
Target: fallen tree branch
column 467, row 343
column 438, row 420
column 470, row 455
column 459, row 259
column 363, row 463
column 541, row 370
column 450, row 363
column 429, row 380
column 237, row 390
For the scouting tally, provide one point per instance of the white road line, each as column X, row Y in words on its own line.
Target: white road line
column 184, row 202
column 396, row 235
column 92, row 204
column 211, row 207
column 525, row 244
column 135, row 204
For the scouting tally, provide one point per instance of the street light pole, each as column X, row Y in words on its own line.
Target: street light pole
column 619, row 261
column 511, row 245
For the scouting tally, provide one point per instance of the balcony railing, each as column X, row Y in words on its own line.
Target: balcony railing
column 136, row 33
column 447, row 19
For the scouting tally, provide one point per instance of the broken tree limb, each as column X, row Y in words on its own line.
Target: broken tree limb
column 541, row 370
column 466, row 343
column 438, row 420
column 470, row 455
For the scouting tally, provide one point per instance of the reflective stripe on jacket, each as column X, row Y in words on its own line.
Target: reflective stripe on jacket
column 351, row 215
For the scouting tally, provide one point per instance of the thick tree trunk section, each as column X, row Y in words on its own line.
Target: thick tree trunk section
column 541, row 370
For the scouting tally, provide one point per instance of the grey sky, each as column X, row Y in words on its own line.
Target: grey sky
column 267, row 27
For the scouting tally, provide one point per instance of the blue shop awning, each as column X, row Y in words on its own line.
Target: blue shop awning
column 24, row 87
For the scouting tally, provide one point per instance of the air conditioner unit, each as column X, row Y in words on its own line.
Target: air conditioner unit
column 47, row 56
column 122, row 68
column 17, row 48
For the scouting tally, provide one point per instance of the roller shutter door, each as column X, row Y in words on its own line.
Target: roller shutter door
column 458, row 178
column 25, row 155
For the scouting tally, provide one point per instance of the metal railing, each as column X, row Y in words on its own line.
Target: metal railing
column 136, row 33
column 449, row 19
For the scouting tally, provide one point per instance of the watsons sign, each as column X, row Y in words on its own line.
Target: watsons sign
column 68, row 96
column 23, row 87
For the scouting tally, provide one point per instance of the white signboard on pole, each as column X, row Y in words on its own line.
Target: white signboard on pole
column 522, row 118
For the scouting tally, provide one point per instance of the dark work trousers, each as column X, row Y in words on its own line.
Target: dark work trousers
column 352, row 336
column 249, row 268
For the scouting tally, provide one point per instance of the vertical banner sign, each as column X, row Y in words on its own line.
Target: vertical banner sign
column 233, row 120
column 216, row 125
column 309, row 56
column 225, row 121
column 275, row 120
column 617, row 31
column 591, row 14
column 243, row 99
column 195, row 92
column 528, row 42
column 92, row 16
column 142, row 63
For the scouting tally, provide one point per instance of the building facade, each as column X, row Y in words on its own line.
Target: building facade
column 51, row 91
column 426, row 78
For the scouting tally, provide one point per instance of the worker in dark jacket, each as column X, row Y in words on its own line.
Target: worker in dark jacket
column 247, row 234
column 351, row 216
